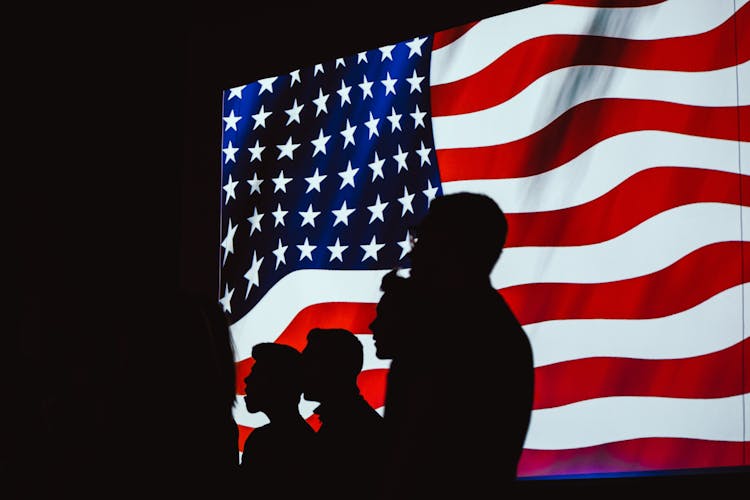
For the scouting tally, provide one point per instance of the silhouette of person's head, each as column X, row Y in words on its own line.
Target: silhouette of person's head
column 394, row 309
column 331, row 362
column 275, row 379
column 459, row 239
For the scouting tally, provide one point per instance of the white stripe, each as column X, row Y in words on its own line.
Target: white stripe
column 606, row 420
column 556, row 92
column 711, row 326
column 602, row 167
column 494, row 36
column 295, row 291
column 648, row 247
column 371, row 361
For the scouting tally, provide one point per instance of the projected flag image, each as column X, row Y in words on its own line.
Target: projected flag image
column 613, row 134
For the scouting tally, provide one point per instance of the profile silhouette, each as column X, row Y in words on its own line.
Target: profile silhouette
column 461, row 381
column 276, row 455
column 349, row 441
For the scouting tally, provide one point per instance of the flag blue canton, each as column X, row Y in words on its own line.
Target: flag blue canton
column 326, row 167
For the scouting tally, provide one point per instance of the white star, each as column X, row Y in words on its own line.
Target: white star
column 295, row 77
column 430, row 192
column 337, row 251
column 405, row 201
column 229, row 152
column 372, row 249
column 228, row 243
column 344, row 93
column 394, row 119
column 229, row 188
column 424, row 154
column 377, row 167
column 390, row 83
column 347, row 176
column 281, row 182
column 305, row 250
column 260, row 117
column 254, row 221
column 414, row 81
column 401, row 159
column 267, row 84
column 320, row 143
column 366, row 87
column 279, row 215
column 340, row 61
column 418, row 117
column 308, row 217
column 252, row 274
column 231, row 121
column 377, row 210
column 314, row 181
column 348, row 133
column 256, row 150
column 287, row 149
column 280, row 254
column 372, row 126
column 362, row 56
column 236, row 92
column 405, row 245
column 342, row 214
column 320, row 102
column 255, row 183
column 226, row 299
column 294, row 112
column 318, row 69
column 415, row 46
column 386, row 52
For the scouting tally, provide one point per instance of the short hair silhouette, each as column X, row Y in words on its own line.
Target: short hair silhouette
column 337, row 356
column 466, row 229
column 276, row 374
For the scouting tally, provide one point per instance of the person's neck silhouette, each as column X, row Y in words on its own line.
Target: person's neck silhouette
column 279, row 450
column 350, row 437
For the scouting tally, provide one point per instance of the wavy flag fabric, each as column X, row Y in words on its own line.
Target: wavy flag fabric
column 615, row 136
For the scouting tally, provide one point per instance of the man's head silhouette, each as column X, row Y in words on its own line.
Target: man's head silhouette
column 460, row 238
column 275, row 378
column 331, row 362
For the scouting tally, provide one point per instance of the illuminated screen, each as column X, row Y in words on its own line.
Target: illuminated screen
column 615, row 139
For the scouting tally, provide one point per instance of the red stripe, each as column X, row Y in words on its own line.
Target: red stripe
column 372, row 384
column 659, row 294
column 526, row 62
column 633, row 455
column 581, row 127
column 614, row 213
column 691, row 280
column 446, row 37
column 715, row 266
column 714, row 375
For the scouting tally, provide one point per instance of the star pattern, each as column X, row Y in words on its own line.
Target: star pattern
column 346, row 177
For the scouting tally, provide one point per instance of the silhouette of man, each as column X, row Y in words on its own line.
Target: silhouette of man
column 461, row 381
column 349, row 442
column 275, row 455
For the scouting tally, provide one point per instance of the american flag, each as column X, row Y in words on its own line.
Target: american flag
column 614, row 136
